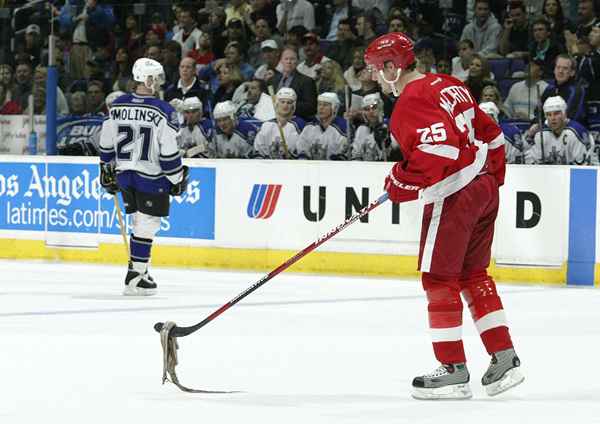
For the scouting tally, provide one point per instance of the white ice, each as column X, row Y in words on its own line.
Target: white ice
column 302, row 349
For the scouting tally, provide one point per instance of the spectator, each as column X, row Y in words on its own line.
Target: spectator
column 171, row 56
column 291, row 13
column 589, row 65
column 566, row 86
column 78, row 103
column 514, row 39
column 233, row 138
column 523, row 96
column 372, row 141
column 233, row 57
column 268, row 143
column 187, row 85
column 443, row 66
column 552, row 11
column 304, row 86
column 295, row 38
column 365, row 28
column 484, row 31
column 7, row 105
column 255, row 103
column 544, row 48
column 39, row 102
column 237, row 9
column 40, row 76
column 263, row 33
column 331, row 79
column 358, row 64
column 218, row 31
column 586, row 14
column 23, row 84
column 154, row 52
column 490, row 93
column 6, row 80
column 263, row 9
column 188, row 35
column 314, row 57
column 479, row 76
column 563, row 141
column 341, row 11
column 195, row 136
column 153, row 37
column 236, row 33
column 90, row 25
column 202, row 53
column 134, row 38
column 399, row 24
column 462, row 62
column 324, row 138
column 230, row 79
column 32, row 44
column 95, row 98
column 425, row 57
column 270, row 53
column 342, row 49
column 121, row 70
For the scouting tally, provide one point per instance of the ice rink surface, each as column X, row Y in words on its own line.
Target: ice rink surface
column 302, row 349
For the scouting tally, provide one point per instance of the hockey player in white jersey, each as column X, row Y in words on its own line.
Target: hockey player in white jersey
column 513, row 146
column 139, row 157
column 325, row 138
column 561, row 140
column 268, row 143
column 233, row 138
column 372, row 140
column 195, row 138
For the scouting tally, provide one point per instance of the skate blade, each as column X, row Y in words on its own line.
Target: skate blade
column 452, row 392
column 510, row 379
column 138, row 291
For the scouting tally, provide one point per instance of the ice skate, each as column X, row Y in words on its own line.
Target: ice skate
column 503, row 372
column 448, row 381
column 138, row 284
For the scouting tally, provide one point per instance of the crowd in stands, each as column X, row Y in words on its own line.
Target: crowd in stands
column 286, row 78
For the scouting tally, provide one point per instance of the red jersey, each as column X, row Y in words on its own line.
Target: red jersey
column 445, row 139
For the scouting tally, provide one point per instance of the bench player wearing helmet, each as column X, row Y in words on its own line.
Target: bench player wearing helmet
column 140, row 158
column 453, row 160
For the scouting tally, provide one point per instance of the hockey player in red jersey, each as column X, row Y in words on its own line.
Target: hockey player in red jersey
column 453, row 160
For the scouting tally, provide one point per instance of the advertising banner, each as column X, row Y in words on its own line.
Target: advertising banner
column 68, row 198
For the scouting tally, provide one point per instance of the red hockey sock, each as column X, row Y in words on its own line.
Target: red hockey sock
column 445, row 317
column 479, row 291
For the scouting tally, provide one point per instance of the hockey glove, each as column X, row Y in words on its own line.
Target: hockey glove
column 398, row 191
column 381, row 134
column 180, row 188
column 108, row 177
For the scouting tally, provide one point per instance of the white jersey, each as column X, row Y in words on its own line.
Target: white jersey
column 268, row 144
column 238, row 145
column 140, row 134
column 364, row 146
column 320, row 143
column 573, row 146
column 195, row 141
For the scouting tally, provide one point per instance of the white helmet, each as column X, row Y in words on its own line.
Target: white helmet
column 112, row 97
column 224, row 110
column 555, row 104
column 372, row 100
column 149, row 72
column 330, row 98
column 286, row 93
column 491, row 109
column 192, row 103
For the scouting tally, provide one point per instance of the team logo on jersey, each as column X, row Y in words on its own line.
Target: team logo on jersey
column 263, row 200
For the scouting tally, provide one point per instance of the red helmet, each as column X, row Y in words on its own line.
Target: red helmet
column 394, row 47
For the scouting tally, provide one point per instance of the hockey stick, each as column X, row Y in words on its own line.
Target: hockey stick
column 121, row 224
column 286, row 152
column 176, row 331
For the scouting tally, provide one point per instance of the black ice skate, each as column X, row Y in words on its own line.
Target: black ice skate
column 449, row 381
column 503, row 372
column 138, row 284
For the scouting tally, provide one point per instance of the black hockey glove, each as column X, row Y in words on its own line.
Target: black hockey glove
column 108, row 177
column 180, row 188
column 381, row 134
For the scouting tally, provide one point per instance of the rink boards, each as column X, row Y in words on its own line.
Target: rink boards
column 254, row 214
